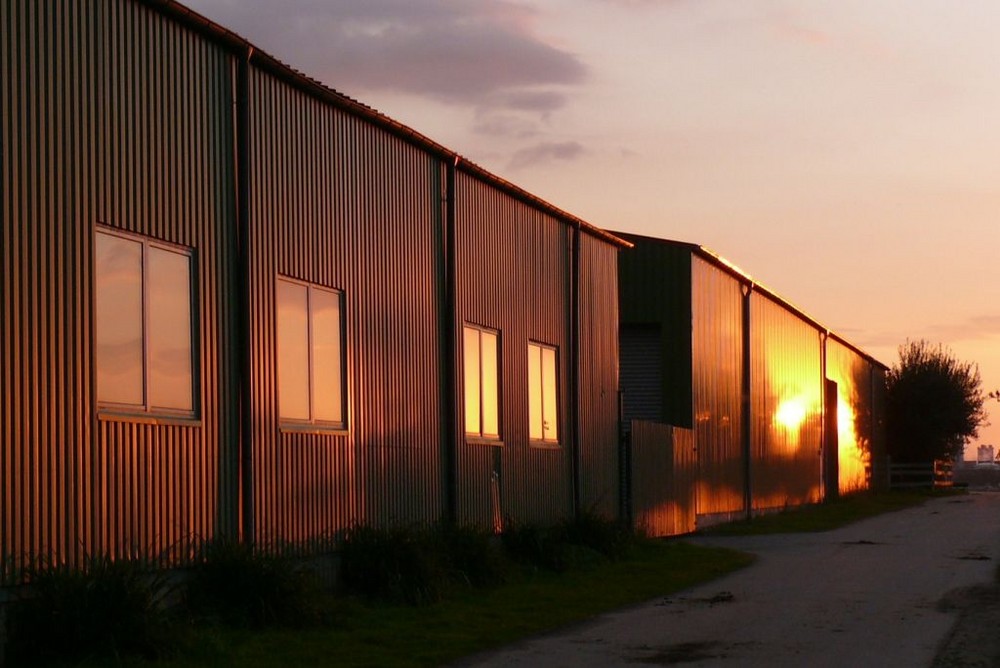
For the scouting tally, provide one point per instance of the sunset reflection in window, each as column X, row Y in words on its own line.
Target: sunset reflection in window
column 482, row 405
column 310, row 353
column 143, row 325
column 543, row 411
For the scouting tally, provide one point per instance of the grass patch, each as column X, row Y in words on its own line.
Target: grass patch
column 470, row 620
column 828, row 516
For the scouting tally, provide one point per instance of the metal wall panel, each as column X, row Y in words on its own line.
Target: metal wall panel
column 853, row 374
column 786, row 396
column 664, row 471
column 641, row 364
column 111, row 114
column 599, row 456
column 513, row 267
column 655, row 290
column 341, row 203
column 717, row 354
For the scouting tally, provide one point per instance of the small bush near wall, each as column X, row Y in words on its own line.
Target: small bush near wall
column 614, row 539
column 239, row 586
column 417, row 565
column 107, row 609
column 572, row 543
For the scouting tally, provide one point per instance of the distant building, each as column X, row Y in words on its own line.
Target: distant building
column 985, row 454
column 781, row 410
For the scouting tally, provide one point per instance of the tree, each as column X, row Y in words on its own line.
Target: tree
column 934, row 403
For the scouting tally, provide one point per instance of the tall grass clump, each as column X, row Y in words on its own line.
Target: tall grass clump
column 474, row 556
column 395, row 565
column 418, row 565
column 107, row 609
column 238, row 585
column 612, row 538
column 575, row 542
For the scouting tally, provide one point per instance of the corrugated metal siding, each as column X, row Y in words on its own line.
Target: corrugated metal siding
column 112, row 114
column 341, row 203
column 717, row 326
column 852, row 373
column 641, row 360
column 513, row 271
column 664, row 470
column 655, row 289
column 787, row 406
column 599, row 479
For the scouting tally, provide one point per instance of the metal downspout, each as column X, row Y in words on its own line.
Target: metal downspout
column 745, row 417
column 575, row 371
column 824, row 445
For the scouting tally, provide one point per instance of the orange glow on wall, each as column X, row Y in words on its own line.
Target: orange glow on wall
column 852, row 458
column 791, row 413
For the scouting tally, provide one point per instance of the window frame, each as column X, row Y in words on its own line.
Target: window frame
column 146, row 411
column 480, row 436
column 312, row 423
column 544, row 442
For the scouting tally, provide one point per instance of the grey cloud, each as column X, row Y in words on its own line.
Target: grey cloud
column 542, row 101
column 450, row 50
column 976, row 327
column 971, row 329
column 505, row 125
column 546, row 152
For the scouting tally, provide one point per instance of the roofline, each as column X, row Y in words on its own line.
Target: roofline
column 725, row 265
column 240, row 45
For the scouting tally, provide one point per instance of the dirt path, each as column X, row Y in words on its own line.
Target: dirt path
column 884, row 592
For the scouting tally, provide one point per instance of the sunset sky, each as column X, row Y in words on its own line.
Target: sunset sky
column 844, row 152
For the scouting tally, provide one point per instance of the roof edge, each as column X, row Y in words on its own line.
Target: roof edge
column 240, row 45
column 722, row 263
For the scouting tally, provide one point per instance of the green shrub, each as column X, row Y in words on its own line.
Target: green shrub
column 240, row 586
column 538, row 546
column 474, row 556
column 107, row 609
column 396, row 565
column 612, row 538
column 573, row 543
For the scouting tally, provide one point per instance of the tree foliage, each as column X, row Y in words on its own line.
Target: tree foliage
column 934, row 403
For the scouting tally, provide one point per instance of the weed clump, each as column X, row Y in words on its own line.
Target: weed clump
column 573, row 543
column 245, row 587
column 105, row 609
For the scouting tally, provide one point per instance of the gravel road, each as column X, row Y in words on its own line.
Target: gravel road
column 912, row 588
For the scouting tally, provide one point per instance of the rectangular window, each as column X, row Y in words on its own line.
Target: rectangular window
column 310, row 354
column 482, row 399
column 543, row 395
column 144, row 348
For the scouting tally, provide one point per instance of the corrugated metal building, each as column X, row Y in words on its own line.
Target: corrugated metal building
column 705, row 347
column 236, row 301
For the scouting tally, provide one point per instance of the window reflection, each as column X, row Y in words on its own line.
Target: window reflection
column 310, row 353
column 143, row 322
column 326, row 371
column 118, row 320
column 293, row 350
column 481, row 364
column 170, row 370
column 472, row 385
column 543, row 418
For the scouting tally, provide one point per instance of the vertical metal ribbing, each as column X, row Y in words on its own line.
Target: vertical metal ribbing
column 241, row 116
column 452, row 427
